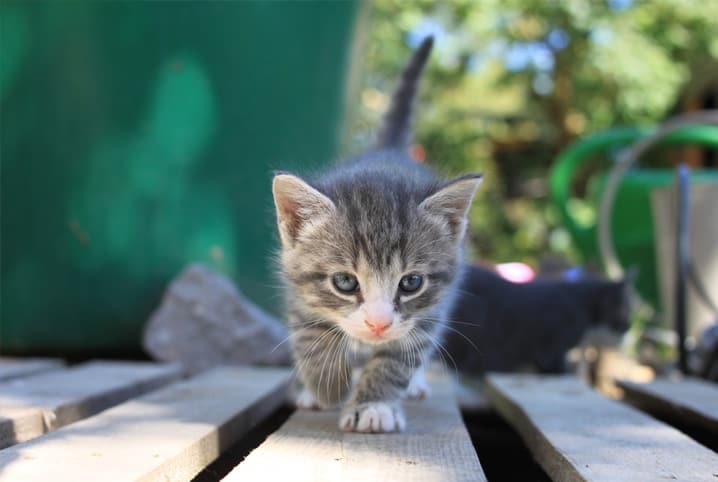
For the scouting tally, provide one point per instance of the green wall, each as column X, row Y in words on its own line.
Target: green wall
column 139, row 136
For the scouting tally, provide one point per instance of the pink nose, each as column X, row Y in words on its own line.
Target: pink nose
column 378, row 326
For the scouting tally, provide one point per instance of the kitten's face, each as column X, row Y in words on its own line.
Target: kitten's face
column 374, row 267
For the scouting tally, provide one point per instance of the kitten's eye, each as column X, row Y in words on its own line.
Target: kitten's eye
column 410, row 283
column 345, row 282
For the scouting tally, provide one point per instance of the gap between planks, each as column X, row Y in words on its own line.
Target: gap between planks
column 691, row 400
column 31, row 406
column 170, row 434
column 578, row 435
column 310, row 447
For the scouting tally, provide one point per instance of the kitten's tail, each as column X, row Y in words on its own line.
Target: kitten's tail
column 396, row 126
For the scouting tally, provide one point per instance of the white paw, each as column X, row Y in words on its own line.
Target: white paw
column 376, row 417
column 418, row 389
column 306, row 400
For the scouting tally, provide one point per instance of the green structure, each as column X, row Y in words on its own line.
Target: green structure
column 140, row 136
column 632, row 220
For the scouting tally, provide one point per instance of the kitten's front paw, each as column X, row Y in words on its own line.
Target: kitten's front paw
column 376, row 417
column 306, row 400
column 418, row 389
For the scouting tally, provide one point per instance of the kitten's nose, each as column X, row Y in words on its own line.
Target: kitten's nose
column 378, row 326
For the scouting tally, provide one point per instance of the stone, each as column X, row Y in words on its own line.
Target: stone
column 204, row 321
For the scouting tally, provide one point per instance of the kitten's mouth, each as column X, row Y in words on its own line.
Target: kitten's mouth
column 374, row 339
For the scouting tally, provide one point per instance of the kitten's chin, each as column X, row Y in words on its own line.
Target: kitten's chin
column 376, row 340
column 373, row 339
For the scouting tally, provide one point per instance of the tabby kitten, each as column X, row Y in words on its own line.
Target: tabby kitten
column 370, row 254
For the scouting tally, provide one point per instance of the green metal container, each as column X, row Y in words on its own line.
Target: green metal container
column 632, row 221
column 140, row 136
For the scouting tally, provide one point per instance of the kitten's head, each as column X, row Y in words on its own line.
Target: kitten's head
column 371, row 258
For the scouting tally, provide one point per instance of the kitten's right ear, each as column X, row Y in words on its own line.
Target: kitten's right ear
column 298, row 204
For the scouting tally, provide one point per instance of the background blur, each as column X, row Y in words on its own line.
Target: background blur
column 137, row 137
column 513, row 82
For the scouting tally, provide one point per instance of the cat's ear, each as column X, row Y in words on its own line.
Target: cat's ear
column 452, row 202
column 298, row 204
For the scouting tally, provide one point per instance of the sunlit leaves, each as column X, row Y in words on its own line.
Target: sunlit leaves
column 522, row 79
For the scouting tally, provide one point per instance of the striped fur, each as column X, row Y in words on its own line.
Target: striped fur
column 377, row 217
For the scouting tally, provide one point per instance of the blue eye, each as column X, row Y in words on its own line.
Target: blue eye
column 410, row 283
column 345, row 282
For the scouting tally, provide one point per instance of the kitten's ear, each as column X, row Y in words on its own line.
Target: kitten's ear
column 297, row 204
column 452, row 202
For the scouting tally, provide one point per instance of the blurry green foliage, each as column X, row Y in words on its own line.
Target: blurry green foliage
column 512, row 82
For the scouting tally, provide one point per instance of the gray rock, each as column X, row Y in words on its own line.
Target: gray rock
column 204, row 321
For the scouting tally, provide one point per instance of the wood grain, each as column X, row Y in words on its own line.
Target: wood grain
column 21, row 367
column 578, row 435
column 310, row 447
column 32, row 406
column 170, row 434
column 692, row 400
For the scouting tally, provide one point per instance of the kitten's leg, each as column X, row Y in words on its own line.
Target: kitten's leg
column 418, row 388
column 305, row 399
column 375, row 405
column 301, row 397
column 321, row 365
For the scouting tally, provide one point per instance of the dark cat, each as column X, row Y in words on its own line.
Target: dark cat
column 502, row 326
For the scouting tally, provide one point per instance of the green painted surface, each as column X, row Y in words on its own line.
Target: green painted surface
column 632, row 216
column 140, row 136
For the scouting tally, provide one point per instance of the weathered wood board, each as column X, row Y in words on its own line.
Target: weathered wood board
column 690, row 399
column 310, row 447
column 170, row 434
column 32, row 406
column 578, row 435
column 21, row 367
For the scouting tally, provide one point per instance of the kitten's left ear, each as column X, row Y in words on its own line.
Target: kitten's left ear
column 452, row 202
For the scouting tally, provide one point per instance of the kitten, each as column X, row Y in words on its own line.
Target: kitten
column 370, row 254
column 503, row 326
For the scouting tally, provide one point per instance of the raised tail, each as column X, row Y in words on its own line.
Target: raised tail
column 396, row 127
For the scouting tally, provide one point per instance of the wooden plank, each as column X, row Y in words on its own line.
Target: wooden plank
column 310, row 447
column 32, row 406
column 692, row 400
column 170, row 434
column 578, row 435
column 22, row 367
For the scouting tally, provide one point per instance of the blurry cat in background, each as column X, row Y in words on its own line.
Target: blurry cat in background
column 371, row 253
column 502, row 326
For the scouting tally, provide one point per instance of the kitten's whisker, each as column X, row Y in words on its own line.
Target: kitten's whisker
column 336, row 363
column 345, row 353
column 326, row 354
column 465, row 292
column 295, row 330
column 309, row 352
column 442, row 350
column 446, row 325
column 448, row 320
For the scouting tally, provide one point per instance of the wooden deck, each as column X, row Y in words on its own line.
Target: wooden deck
column 578, row 435
column 141, row 421
column 691, row 400
column 309, row 447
